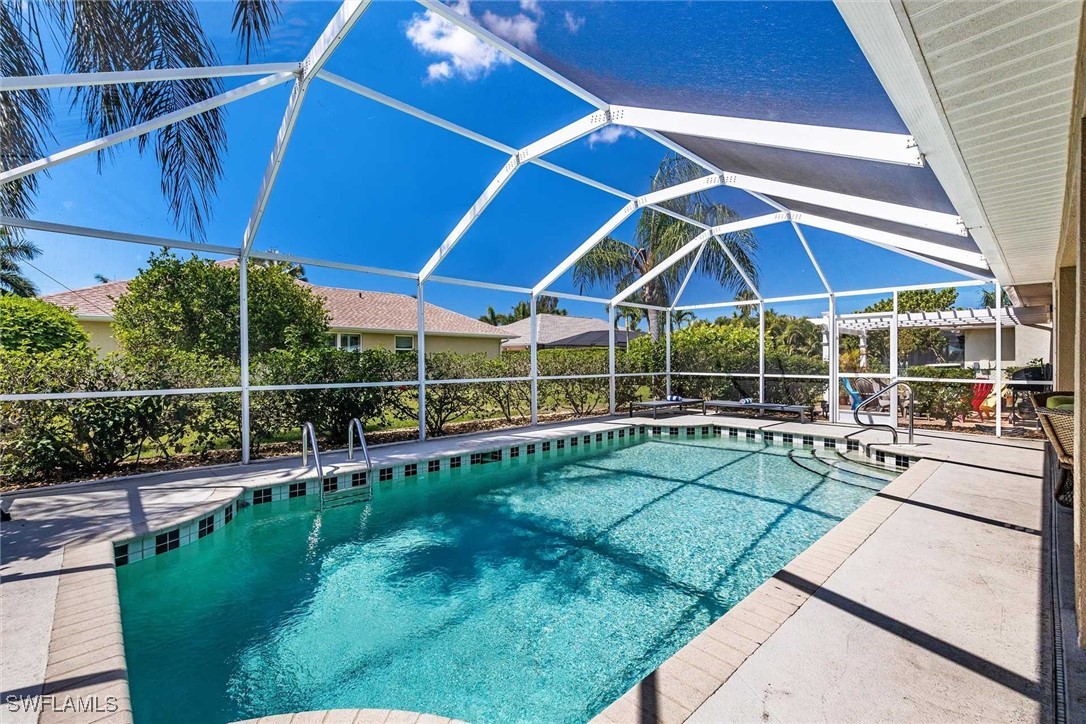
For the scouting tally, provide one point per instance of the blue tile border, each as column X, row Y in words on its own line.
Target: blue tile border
column 169, row 539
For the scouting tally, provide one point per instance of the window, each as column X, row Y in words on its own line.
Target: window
column 350, row 342
column 405, row 343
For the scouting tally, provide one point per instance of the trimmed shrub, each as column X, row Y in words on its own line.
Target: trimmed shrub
column 943, row 401
column 32, row 325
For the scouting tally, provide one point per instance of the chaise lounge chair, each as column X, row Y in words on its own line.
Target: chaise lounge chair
column 656, row 405
column 802, row 410
column 1055, row 412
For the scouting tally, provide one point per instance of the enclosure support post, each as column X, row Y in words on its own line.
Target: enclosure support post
column 893, row 365
column 243, row 276
column 667, row 353
column 761, row 352
column 533, row 336
column 421, row 350
column 998, row 385
column 835, row 363
column 611, row 357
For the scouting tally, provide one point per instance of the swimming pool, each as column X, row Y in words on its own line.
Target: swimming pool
column 538, row 589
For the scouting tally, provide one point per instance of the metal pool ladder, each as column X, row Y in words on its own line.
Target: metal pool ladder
column 309, row 435
column 355, row 425
column 877, row 395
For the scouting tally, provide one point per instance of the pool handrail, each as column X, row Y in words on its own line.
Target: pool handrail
column 309, row 434
column 355, row 425
column 891, row 428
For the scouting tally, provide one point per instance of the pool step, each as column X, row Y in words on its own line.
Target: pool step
column 862, row 462
column 840, row 471
column 348, row 496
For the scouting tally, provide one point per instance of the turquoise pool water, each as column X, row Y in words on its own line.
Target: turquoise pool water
column 538, row 589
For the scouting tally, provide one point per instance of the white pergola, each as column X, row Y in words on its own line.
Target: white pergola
column 878, row 147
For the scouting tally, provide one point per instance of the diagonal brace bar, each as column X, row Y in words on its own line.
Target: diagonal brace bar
column 143, row 128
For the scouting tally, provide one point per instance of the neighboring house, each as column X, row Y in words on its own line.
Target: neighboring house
column 558, row 330
column 359, row 320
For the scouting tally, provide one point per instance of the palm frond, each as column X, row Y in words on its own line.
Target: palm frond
column 25, row 115
column 12, row 251
column 253, row 21
column 609, row 263
column 120, row 35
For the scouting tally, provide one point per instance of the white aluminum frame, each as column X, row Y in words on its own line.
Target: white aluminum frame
column 550, row 142
column 894, row 148
column 100, row 144
column 881, row 147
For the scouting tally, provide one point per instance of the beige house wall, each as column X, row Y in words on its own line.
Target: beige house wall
column 1021, row 344
column 101, row 336
column 490, row 346
column 102, row 340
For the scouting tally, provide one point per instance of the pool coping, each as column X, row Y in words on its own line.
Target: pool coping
column 679, row 686
column 86, row 660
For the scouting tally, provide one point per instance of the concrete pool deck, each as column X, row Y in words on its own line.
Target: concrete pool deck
column 930, row 603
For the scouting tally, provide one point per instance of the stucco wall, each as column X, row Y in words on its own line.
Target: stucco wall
column 1020, row 345
column 489, row 346
column 101, row 336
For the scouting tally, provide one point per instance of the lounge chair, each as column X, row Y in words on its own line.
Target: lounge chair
column 657, row 405
column 1058, row 423
column 802, row 410
column 856, row 398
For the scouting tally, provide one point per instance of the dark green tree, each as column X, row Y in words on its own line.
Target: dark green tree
column 522, row 310
column 14, row 250
column 193, row 305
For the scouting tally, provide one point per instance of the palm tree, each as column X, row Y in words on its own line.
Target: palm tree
column 292, row 269
column 681, row 318
column 113, row 35
column 12, row 251
column 493, row 318
column 630, row 317
column 620, row 263
column 987, row 299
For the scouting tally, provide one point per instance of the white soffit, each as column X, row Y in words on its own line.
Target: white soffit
column 987, row 90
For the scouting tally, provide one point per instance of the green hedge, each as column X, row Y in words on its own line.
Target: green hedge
column 68, row 438
column 943, row 401
column 46, row 439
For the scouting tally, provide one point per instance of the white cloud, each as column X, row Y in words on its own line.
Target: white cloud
column 462, row 54
column 439, row 71
column 519, row 29
column 573, row 22
column 609, row 135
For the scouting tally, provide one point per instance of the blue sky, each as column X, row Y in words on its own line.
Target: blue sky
column 366, row 184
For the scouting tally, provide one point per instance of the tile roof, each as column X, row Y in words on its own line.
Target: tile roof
column 557, row 330
column 349, row 309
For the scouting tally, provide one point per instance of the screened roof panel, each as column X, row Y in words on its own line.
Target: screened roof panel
column 767, row 61
column 907, row 185
column 964, row 243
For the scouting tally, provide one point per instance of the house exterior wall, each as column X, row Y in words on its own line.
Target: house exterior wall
column 1020, row 345
column 103, row 341
column 490, row 346
column 101, row 336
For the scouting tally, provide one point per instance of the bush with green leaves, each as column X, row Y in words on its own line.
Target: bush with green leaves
column 28, row 324
column 192, row 305
column 943, row 401
column 330, row 410
column 512, row 400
